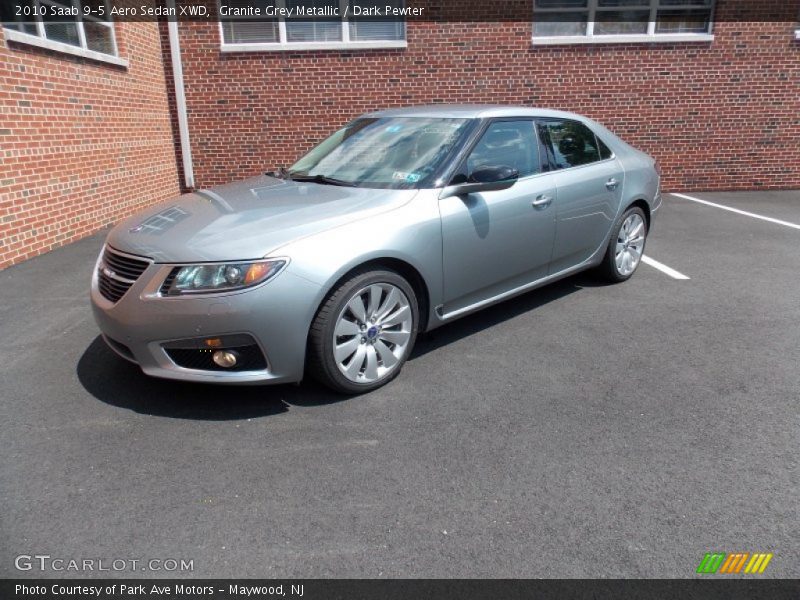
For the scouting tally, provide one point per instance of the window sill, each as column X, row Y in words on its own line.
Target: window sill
column 32, row 40
column 664, row 38
column 296, row 46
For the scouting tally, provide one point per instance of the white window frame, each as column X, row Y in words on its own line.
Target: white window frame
column 283, row 45
column 592, row 8
column 41, row 40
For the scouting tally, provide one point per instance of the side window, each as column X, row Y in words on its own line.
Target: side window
column 569, row 143
column 507, row 143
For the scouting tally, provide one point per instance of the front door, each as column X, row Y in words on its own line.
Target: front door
column 497, row 241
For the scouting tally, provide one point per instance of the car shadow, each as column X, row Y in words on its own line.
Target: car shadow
column 120, row 383
column 499, row 313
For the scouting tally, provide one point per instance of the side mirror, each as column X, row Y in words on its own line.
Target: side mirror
column 484, row 179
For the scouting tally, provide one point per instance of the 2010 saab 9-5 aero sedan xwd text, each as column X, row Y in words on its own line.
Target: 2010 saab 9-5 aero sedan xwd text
column 396, row 224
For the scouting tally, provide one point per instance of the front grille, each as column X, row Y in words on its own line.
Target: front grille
column 250, row 358
column 117, row 273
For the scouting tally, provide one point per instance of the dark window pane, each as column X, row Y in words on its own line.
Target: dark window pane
column 373, row 29
column 313, row 31
column 572, row 143
column 316, row 30
column 99, row 37
column 250, row 32
column 621, row 22
column 508, row 144
column 61, row 29
column 362, row 30
column 683, row 21
column 560, row 24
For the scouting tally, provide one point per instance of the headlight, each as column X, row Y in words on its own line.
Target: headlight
column 198, row 279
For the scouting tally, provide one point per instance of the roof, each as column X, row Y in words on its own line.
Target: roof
column 469, row 111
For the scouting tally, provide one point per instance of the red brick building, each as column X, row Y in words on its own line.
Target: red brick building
column 94, row 126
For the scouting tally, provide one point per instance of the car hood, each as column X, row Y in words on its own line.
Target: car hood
column 247, row 219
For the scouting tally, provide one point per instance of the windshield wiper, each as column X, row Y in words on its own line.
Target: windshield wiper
column 322, row 179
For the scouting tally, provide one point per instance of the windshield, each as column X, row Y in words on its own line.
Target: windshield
column 396, row 152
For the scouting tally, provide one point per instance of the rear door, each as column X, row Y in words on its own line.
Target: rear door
column 589, row 183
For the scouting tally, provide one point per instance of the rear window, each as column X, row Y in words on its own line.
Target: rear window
column 571, row 143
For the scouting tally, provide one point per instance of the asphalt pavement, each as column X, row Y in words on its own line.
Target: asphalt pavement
column 582, row 430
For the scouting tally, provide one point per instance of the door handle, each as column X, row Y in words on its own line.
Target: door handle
column 612, row 183
column 542, row 201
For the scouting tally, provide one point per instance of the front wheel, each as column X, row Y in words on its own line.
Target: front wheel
column 364, row 332
column 626, row 247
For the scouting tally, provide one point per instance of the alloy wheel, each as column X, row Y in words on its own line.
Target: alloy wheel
column 630, row 244
column 372, row 333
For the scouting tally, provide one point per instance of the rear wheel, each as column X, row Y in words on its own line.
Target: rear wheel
column 626, row 247
column 364, row 332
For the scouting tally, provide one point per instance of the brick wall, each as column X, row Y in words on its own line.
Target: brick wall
column 719, row 115
column 82, row 143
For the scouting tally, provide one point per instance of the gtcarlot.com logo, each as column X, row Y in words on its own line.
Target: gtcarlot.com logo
column 45, row 562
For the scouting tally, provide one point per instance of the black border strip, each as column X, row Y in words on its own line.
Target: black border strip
column 405, row 589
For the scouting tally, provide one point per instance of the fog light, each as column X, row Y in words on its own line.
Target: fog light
column 225, row 358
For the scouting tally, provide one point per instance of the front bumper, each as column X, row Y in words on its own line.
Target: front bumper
column 277, row 314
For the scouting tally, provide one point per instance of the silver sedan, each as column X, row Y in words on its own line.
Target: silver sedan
column 398, row 223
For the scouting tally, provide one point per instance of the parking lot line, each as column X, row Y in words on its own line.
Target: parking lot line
column 663, row 268
column 737, row 211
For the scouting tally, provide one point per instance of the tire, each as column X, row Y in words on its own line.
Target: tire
column 364, row 332
column 626, row 246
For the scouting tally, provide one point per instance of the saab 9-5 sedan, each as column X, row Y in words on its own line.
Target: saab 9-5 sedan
column 398, row 223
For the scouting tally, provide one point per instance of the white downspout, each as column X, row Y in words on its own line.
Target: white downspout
column 180, row 97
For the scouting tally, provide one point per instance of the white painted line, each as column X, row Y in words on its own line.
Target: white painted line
column 737, row 211
column 663, row 268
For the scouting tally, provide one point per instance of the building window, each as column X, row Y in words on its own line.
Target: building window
column 82, row 27
column 337, row 27
column 583, row 21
